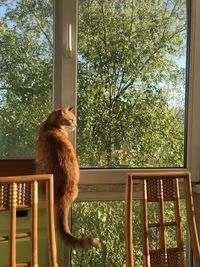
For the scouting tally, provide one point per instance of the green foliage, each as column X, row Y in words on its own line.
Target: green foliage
column 127, row 77
column 97, row 219
column 26, row 75
column 128, row 80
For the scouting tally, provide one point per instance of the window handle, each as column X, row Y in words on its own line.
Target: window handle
column 68, row 48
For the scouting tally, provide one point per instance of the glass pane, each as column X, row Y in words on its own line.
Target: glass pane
column 105, row 221
column 131, row 83
column 26, row 74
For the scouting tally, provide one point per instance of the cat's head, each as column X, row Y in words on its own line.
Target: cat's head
column 63, row 118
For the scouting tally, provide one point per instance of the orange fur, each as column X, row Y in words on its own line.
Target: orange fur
column 55, row 154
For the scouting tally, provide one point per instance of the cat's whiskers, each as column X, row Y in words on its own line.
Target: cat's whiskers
column 67, row 128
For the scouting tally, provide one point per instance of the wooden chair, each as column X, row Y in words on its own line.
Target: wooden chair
column 159, row 188
column 21, row 192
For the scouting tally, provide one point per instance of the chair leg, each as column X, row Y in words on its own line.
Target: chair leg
column 50, row 224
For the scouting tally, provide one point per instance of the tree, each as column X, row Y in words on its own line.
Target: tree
column 122, row 96
column 26, row 64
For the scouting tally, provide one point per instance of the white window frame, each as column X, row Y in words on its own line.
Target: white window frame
column 65, row 87
column 193, row 149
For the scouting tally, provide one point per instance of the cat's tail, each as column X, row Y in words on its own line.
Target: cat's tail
column 71, row 241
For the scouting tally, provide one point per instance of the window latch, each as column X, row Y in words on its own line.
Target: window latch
column 68, row 47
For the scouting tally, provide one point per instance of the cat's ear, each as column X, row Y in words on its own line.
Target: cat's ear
column 64, row 110
column 57, row 111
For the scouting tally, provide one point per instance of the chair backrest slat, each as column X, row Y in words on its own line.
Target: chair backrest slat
column 34, row 223
column 128, row 222
column 191, row 219
column 145, row 240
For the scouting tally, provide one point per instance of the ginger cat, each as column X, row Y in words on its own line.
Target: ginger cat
column 55, row 154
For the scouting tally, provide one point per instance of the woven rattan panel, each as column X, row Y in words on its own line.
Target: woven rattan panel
column 4, row 196
column 23, row 195
column 160, row 187
column 153, row 192
column 174, row 258
column 157, row 259
column 169, row 188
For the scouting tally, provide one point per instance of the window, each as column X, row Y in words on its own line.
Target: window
column 126, row 75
